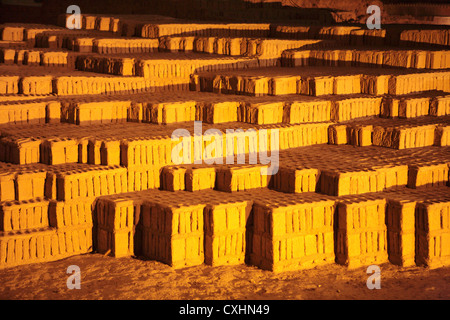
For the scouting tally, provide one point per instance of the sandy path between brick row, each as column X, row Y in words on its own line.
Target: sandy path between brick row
column 129, row 278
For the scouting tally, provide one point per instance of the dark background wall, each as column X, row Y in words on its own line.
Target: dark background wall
column 48, row 10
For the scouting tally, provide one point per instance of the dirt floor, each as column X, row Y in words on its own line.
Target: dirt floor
column 129, row 278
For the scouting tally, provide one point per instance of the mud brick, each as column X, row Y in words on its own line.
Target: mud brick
column 424, row 36
column 10, row 33
column 301, row 135
column 390, row 107
column 110, row 153
column 361, row 237
column 410, row 108
column 389, row 177
column 433, row 233
column 176, row 43
column 256, row 86
column 136, row 112
column 30, row 185
column 442, row 136
column 94, row 155
column 24, row 247
column 74, row 240
column 400, row 219
column 359, row 135
column 144, row 177
column 9, row 84
column 316, row 86
column 440, row 106
column 36, row 85
column 7, row 189
column 241, row 178
column 296, row 180
column 354, row 108
column 337, row 134
column 20, row 151
column 375, row 85
column 166, row 113
column 156, row 151
column 117, row 243
column 89, row 183
column 404, row 137
column 347, row 84
column 339, row 183
column 62, row 214
column 58, row 151
column 104, row 112
column 428, row 174
column 283, row 85
column 438, row 59
column 8, row 56
column 115, row 214
column 292, row 236
column 24, row 215
column 225, row 233
column 53, row 112
column 261, row 113
column 83, row 44
column 173, row 235
column 219, row 112
column 200, row 178
column 173, row 178
column 32, row 58
column 19, row 113
column 303, row 112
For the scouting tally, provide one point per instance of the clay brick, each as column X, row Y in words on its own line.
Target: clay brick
column 20, row 151
column 360, row 136
column 433, row 234
column 337, row 134
column 173, row 235
column 36, row 85
column 428, row 174
column 240, row 178
column 63, row 214
column 58, row 151
column 200, row 178
column 173, row 178
column 375, row 85
column 261, row 113
column 404, row 137
column 400, row 219
column 353, row 108
column 30, row 185
column 24, row 247
column 295, row 180
column 361, row 237
column 19, row 113
column 225, row 233
column 9, row 84
column 440, row 106
column 12, row 33
column 292, row 236
column 442, row 136
column 303, row 112
column 7, row 189
column 165, row 113
column 24, row 215
column 219, row 112
column 144, row 177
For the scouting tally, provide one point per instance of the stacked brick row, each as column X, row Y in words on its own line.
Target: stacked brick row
column 418, row 59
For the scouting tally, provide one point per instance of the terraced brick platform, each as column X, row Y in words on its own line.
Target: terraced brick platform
column 317, row 144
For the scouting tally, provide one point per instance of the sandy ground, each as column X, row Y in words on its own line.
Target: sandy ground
column 129, row 278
